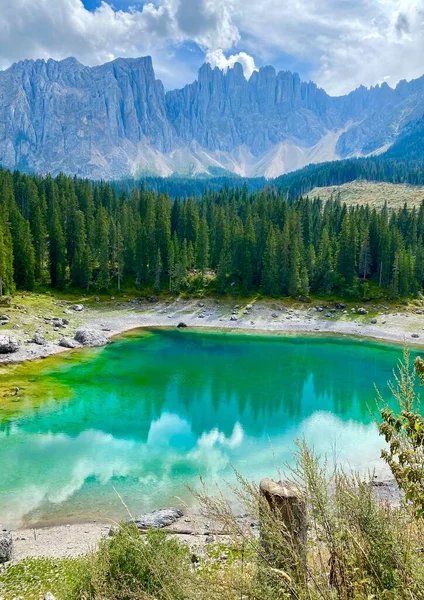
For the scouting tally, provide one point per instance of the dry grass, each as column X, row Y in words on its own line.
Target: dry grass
column 373, row 193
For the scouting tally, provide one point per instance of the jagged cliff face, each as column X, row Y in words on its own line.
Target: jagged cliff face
column 116, row 120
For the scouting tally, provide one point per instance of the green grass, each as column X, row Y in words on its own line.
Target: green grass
column 32, row 578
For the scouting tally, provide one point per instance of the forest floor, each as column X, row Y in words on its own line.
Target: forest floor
column 35, row 313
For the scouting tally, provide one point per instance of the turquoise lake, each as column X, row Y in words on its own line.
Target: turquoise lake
column 152, row 413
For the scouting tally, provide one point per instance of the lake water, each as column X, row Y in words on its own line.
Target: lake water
column 151, row 413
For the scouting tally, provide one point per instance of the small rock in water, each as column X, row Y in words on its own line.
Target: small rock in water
column 181, row 325
column 373, row 321
column 362, row 311
column 159, row 518
column 78, row 307
column 415, row 335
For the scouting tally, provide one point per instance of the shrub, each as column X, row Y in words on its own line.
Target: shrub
column 131, row 566
column 404, row 433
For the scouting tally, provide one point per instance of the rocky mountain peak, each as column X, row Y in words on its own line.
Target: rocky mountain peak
column 115, row 119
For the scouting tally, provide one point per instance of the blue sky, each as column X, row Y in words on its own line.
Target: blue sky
column 117, row 4
column 339, row 44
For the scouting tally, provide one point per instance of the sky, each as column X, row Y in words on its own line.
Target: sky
column 339, row 44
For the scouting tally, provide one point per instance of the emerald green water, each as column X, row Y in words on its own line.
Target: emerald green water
column 149, row 414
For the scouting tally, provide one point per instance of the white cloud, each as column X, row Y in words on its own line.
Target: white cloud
column 339, row 44
column 344, row 43
column 46, row 29
column 217, row 58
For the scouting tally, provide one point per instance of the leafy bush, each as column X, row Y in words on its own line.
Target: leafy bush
column 131, row 566
column 404, row 434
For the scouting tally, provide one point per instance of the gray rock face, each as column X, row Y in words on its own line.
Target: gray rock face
column 70, row 116
column 116, row 119
column 91, row 337
column 6, row 546
column 8, row 344
column 159, row 518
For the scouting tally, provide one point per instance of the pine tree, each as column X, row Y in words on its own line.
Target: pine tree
column 270, row 267
column 325, row 265
column 81, row 263
column 158, row 272
column 347, row 251
column 221, row 274
column 365, row 256
column 57, row 251
column 6, row 256
column 202, row 246
column 103, row 243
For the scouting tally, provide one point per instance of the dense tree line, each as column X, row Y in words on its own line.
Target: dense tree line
column 337, row 172
column 70, row 232
column 178, row 186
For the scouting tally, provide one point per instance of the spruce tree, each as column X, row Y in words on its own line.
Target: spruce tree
column 270, row 266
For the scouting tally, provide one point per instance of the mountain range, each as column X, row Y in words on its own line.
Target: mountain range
column 116, row 120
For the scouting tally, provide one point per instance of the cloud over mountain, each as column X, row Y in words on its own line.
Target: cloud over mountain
column 340, row 45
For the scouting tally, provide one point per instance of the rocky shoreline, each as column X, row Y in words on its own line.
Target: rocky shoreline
column 26, row 335
column 191, row 527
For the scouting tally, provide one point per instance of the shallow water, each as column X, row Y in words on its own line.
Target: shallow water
column 151, row 413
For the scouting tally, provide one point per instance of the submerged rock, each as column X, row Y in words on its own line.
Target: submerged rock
column 90, row 337
column 8, row 344
column 159, row 518
column 6, row 546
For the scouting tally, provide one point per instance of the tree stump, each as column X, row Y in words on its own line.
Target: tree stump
column 284, row 526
